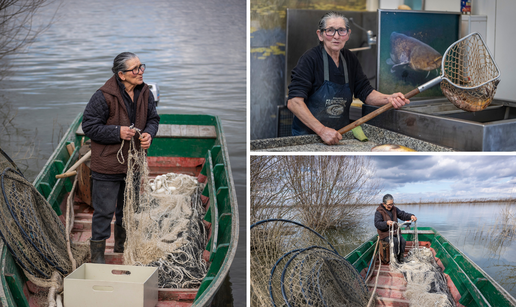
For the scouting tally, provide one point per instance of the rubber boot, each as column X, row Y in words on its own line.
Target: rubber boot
column 97, row 249
column 119, row 239
column 401, row 258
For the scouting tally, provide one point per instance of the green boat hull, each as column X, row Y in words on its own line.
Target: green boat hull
column 222, row 212
column 475, row 286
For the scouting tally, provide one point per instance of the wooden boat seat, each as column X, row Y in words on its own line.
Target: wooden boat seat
column 179, row 131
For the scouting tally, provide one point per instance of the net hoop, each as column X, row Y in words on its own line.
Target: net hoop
column 298, row 224
column 40, row 248
column 447, row 55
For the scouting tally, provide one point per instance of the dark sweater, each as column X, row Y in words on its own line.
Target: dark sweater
column 308, row 75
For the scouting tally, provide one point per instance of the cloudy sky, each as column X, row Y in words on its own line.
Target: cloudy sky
column 412, row 178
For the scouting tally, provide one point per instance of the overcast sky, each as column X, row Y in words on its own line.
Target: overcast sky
column 411, row 178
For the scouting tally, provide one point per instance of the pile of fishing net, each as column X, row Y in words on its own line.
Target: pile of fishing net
column 32, row 231
column 163, row 220
column 292, row 265
column 426, row 284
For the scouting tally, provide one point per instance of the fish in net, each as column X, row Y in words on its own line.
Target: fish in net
column 292, row 265
column 32, row 231
column 426, row 283
column 163, row 221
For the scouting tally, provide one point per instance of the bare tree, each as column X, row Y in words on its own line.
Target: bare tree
column 328, row 191
column 319, row 191
column 17, row 29
column 268, row 191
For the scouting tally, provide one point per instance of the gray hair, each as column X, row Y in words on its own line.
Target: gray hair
column 119, row 63
column 330, row 15
column 387, row 197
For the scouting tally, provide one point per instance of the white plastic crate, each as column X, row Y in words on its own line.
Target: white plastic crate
column 107, row 285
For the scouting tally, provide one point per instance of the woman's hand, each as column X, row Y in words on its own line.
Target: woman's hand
column 145, row 140
column 413, row 218
column 329, row 136
column 126, row 133
column 398, row 100
column 389, row 223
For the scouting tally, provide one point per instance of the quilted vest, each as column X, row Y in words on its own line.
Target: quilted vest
column 104, row 157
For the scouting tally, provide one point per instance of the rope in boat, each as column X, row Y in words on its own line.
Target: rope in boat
column 373, row 259
column 120, row 154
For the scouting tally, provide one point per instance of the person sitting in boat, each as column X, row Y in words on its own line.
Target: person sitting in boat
column 325, row 80
column 122, row 103
column 385, row 216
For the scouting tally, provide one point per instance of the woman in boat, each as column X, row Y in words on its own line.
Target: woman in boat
column 122, row 109
column 385, row 216
column 325, row 80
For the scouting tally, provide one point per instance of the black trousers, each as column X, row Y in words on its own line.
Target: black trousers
column 402, row 244
column 107, row 199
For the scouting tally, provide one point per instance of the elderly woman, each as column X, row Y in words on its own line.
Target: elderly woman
column 325, row 80
column 123, row 101
column 387, row 215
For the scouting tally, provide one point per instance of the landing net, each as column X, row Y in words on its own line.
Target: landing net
column 426, row 284
column 30, row 228
column 163, row 221
column 292, row 265
column 470, row 74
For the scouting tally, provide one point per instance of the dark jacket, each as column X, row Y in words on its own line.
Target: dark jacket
column 381, row 223
column 308, row 75
column 106, row 111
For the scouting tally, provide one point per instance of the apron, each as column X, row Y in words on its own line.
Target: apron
column 329, row 104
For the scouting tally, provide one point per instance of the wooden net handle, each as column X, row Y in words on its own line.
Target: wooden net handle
column 375, row 113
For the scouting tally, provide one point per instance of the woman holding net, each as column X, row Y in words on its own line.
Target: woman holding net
column 325, row 80
column 121, row 110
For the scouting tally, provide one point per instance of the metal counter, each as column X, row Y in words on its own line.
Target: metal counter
column 313, row 143
column 440, row 122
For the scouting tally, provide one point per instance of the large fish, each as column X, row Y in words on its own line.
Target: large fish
column 407, row 50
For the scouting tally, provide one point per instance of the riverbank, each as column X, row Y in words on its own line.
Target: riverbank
column 509, row 201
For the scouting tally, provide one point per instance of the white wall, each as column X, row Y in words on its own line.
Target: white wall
column 505, row 46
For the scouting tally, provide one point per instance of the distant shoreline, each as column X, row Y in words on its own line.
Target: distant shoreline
column 509, row 201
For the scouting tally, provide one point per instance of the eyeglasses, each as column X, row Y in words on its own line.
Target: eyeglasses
column 136, row 70
column 387, row 204
column 332, row 31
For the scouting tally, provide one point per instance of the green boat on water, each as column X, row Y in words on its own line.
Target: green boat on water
column 468, row 283
column 186, row 144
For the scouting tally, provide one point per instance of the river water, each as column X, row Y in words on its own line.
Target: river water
column 467, row 226
column 195, row 50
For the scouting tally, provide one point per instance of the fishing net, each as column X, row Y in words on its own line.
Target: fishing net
column 470, row 74
column 320, row 277
column 426, row 284
column 163, row 221
column 30, row 228
column 293, row 265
